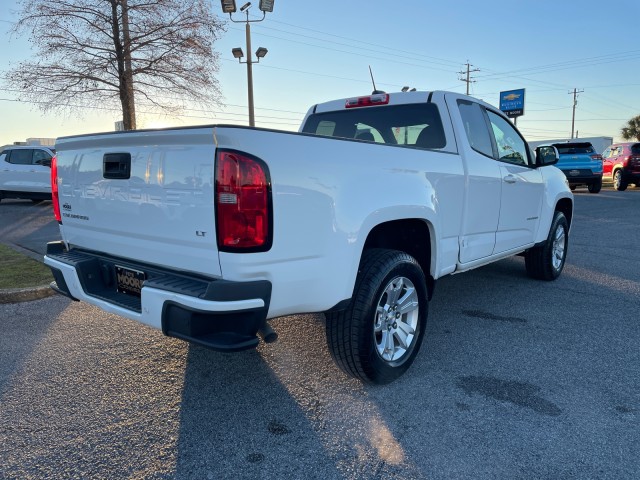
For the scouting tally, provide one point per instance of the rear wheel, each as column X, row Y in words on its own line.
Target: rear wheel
column 595, row 187
column 547, row 261
column 378, row 336
column 619, row 182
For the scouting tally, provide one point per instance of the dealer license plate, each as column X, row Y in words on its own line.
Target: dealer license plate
column 129, row 281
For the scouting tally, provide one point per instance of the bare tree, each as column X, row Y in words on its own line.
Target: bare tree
column 159, row 52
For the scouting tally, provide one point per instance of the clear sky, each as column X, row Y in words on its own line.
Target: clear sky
column 322, row 50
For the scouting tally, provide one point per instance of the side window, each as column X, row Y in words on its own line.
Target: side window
column 21, row 156
column 475, row 126
column 39, row 156
column 511, row 147
column 4, row 157
column 606, row 153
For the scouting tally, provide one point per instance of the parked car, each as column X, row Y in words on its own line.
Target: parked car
column 25, row 172
column 581, row 164
column 622, row 164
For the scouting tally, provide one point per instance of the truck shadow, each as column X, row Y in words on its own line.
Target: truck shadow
column 286, row 410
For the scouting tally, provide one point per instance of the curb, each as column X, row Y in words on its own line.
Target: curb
column 18, row 295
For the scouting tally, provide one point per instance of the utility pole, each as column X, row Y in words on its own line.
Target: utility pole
column 467, row 75
column 575, row 102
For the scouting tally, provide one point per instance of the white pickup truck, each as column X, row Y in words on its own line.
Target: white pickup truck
column 208, row 232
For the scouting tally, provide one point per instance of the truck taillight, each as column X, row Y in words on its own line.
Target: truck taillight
column 368, row 101
column 54, row 189
column 596, row 157
column 243, row 203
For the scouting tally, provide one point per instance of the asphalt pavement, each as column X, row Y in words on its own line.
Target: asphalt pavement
column 27, row 227
column 516, row 379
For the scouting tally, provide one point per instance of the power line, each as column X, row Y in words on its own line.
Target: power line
column 115, row 109
column 376, row 46
column 377, row 57
column 376, row 50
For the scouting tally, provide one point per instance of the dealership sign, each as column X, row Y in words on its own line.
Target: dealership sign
column 512, row 103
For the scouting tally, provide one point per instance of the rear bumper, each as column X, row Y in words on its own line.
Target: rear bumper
column 582, row 176
column 217, row 314
column 632, row 176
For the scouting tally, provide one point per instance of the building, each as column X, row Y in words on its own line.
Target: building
column 45, row 142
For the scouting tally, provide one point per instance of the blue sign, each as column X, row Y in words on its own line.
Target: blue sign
column 512, row 103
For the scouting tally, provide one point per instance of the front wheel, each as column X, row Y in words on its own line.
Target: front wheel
column 619, row 182
column 595, row 187
column 546, row 262
column 378, row 336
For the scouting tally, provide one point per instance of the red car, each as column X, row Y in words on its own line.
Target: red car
column 621, row 163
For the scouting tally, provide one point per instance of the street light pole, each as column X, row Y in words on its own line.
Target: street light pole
column 229, row 6
column 252, row 118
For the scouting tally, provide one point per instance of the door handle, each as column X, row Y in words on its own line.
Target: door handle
column 510, row 179
column 116, row 166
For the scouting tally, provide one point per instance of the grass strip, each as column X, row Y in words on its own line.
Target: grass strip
column 20, row 271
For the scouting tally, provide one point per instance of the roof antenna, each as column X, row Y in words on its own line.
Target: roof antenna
column 375, row 90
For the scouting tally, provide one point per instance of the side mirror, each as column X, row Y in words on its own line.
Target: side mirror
column 46, row 163
column 546, row 155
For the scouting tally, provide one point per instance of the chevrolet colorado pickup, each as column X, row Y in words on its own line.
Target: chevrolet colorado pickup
column 208, row 232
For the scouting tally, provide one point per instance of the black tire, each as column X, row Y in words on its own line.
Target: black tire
column 595, row 187
column 619, row 181
column 356, row 335
column 547, row 261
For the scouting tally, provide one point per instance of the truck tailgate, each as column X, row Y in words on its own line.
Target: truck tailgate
column 145, row 195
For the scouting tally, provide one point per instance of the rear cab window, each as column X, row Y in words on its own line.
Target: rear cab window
column 412, row 125
column 574, row 148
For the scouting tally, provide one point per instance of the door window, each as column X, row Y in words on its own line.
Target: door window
column 39, row 156
column 21, row 156
column 475, row 125
column 511, row 146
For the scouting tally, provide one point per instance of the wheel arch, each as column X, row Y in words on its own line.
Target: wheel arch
column 565, row 205
column 413, row 236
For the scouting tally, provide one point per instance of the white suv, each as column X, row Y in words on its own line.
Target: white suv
column 25, row 172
